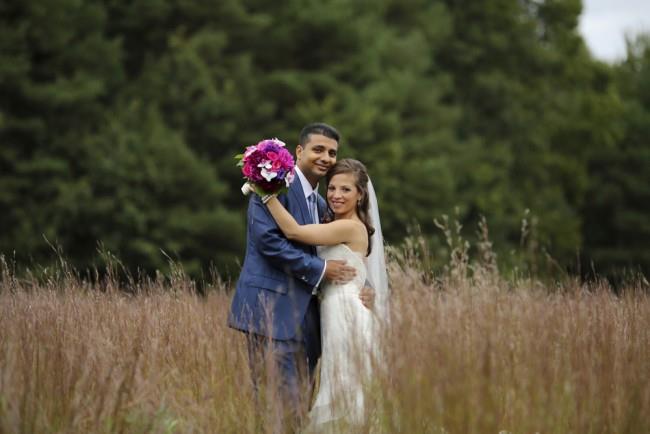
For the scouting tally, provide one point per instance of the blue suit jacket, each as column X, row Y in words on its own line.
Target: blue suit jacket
column 277, row 278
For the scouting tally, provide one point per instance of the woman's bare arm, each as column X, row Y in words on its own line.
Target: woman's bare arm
column 339, row 231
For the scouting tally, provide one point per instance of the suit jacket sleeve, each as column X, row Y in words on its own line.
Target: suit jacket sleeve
column 278, row 250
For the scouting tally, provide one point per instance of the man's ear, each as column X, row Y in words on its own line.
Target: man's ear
column 299, row 150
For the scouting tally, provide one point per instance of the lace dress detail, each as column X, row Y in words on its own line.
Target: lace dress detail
column 346, row 333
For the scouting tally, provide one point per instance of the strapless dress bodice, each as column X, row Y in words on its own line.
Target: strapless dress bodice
column 353, row 259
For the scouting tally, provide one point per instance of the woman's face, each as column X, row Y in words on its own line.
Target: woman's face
column 342, row 194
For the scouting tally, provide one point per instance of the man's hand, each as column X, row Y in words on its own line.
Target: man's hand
column 336, row 271
column 367, row 296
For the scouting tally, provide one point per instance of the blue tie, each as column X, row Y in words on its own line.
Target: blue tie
column 313, row 211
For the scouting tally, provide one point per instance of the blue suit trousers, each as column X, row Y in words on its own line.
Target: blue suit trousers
column 287, row 365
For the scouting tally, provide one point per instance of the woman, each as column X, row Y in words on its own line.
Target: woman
column 348, row 329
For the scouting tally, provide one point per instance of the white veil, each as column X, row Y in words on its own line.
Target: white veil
column 376, row 261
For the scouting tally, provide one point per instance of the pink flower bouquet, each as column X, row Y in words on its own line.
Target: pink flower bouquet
column 268, row 168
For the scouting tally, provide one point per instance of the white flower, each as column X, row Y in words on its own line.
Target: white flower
column 246, row 189
column 289, row 178
column 268, row 175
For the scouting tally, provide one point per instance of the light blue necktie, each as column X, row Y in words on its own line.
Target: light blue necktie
column 313, row 210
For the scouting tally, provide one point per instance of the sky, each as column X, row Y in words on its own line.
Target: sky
column 604, row 23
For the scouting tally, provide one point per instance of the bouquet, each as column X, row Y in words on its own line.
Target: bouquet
column 268, row 168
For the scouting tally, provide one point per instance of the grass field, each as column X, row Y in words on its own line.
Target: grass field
column 465, row 353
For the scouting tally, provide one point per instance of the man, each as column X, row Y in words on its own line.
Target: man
column 275, row 301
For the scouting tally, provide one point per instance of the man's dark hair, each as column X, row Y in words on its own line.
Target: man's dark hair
column 318, row 128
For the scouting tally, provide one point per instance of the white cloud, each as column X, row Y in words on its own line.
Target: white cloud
column 604, row 24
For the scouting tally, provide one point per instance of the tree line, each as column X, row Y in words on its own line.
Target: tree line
column 119, row 121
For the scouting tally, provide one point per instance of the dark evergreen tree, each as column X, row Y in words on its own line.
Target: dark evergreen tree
column 533, row 101
column 119, row 120
column 87, row 161
column 617, row 210
column 56, row 73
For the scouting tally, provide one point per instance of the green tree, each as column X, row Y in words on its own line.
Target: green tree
column 535, row 105
column 148, row 196
column 119, row 120
column 617, row 210
column 56, row 71
column 87, row 160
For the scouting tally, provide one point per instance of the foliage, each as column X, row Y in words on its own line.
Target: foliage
column 119, row 120
column 618, row 206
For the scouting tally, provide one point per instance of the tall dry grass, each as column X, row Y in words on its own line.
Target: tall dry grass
column 466, row 352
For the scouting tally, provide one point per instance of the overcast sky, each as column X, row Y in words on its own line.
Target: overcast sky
column 604, row 23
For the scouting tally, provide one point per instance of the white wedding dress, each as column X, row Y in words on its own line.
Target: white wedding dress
column 347, row 330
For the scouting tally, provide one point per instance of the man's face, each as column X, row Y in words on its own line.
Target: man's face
column 316, row 157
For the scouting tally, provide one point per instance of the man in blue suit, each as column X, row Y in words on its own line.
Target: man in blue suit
column 275, row 302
